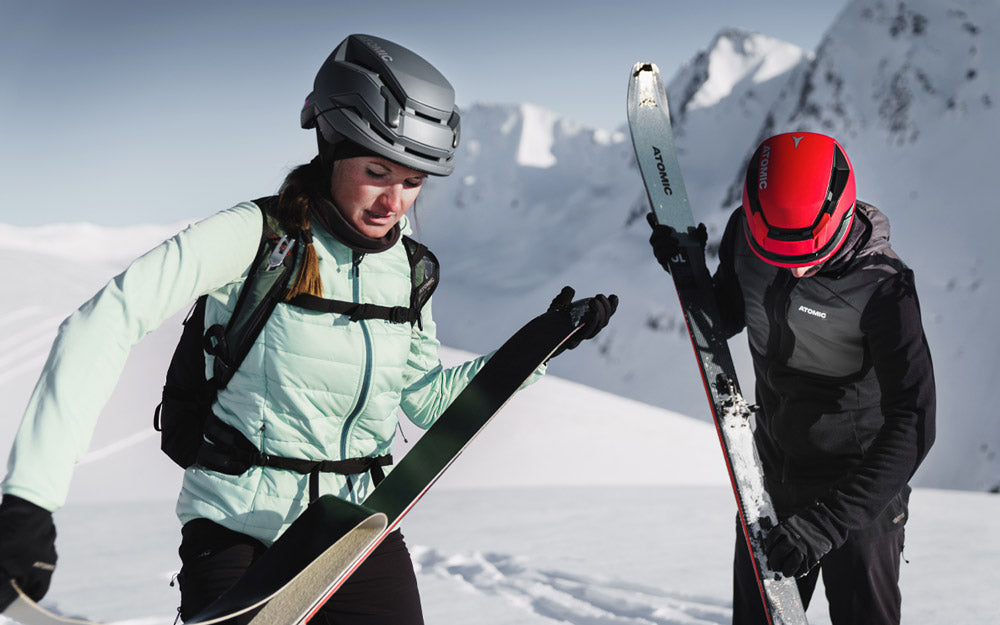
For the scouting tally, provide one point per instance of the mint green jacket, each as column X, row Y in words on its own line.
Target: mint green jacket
column 315, row 386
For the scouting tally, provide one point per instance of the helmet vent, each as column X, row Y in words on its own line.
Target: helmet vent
column 436, row 120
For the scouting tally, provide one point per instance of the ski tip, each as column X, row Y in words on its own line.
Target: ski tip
column 646, row 89
column 644, row 66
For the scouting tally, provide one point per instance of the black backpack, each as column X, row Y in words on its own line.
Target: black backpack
column 184, row 416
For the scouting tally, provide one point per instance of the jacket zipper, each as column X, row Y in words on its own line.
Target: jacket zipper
column 368, row 356
column 780, row 340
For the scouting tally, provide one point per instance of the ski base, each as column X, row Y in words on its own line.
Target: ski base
column 330, row 527
column 299, row 597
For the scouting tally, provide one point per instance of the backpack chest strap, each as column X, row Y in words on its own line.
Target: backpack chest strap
column 357, row 312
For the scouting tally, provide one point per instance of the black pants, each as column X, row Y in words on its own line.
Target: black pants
column 861, row 580
column 382, row 591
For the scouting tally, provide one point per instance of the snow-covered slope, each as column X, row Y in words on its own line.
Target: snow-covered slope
column 538, row 202
column 910, row 88
column 625, row 555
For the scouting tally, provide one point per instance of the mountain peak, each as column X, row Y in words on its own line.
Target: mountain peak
column 892, row 67
column 736, row 61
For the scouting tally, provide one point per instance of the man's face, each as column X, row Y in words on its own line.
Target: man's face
column 806, row 272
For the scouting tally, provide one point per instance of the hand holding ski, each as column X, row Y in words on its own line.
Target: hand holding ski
column 593, row 314
column 667, row 242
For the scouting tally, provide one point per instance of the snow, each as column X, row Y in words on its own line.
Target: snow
column 737, row 429
column 625, row 555
column 592, row 499
column 535, row 148
column 738, row 60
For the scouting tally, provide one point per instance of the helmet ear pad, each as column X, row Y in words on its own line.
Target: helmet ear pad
column 387, row 99
column 798, row 199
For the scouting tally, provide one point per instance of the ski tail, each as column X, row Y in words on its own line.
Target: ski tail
column 300, row 596
column 315, row 534
column 26, row 611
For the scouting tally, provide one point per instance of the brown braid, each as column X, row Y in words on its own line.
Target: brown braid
column 293, row 215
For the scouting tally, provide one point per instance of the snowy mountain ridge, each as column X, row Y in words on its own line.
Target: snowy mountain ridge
column 736, row 63
column 909, row 89
column 537, row 202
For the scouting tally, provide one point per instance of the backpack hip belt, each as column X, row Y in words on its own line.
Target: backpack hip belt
column 226, row 450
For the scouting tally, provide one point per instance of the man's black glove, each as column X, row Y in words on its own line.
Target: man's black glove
column 598, row 312
column 27, row 549
column 665, row 242
column 795, row 546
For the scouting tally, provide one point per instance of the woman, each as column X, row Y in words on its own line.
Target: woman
column 315, row 386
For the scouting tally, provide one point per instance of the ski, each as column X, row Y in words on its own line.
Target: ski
column 488, row 391
column 652, row 139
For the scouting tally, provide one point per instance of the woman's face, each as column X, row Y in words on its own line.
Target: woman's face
column 373, row 193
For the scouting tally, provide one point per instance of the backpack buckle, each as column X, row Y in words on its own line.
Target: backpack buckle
column 281, row 250
column 399, row 314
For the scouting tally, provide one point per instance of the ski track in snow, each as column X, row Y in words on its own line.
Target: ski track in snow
column 563, row 597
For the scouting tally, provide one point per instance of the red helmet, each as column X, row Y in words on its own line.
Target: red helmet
column 798, row 199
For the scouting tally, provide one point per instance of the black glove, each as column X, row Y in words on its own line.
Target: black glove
column 666, row 243
column 598, row 312
column 795, row 546
column 27, row 549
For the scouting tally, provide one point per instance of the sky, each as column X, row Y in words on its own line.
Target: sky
column 120, row 112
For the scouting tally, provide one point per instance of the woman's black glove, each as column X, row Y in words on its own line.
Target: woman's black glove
column 27, row 549
column 597, row 314
column 795, row 546
column 666, row 243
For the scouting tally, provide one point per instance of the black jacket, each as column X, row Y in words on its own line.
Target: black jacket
column 844, row 378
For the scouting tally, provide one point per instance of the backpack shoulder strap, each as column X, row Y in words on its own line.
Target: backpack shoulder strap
column 266, row 284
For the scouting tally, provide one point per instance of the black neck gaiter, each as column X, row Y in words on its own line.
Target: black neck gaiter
column 326, row 213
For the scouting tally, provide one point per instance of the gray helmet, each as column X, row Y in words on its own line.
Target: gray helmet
column 387, row 99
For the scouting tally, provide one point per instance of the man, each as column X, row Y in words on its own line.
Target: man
column 844, row 380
